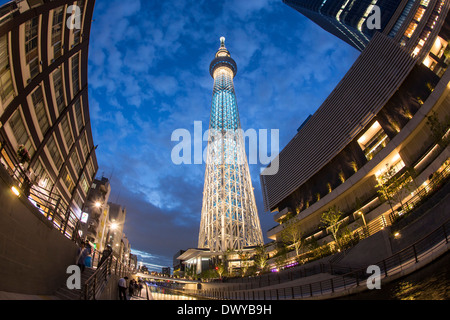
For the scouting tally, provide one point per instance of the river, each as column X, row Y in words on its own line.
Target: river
column 431, row 282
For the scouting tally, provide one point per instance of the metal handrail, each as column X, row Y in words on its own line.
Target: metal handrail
column 389, row 266
column 55, row 209
column 98, row 280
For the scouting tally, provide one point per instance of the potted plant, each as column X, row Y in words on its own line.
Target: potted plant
column 22, row 154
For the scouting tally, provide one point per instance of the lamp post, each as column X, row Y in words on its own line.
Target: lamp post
column 364, row 219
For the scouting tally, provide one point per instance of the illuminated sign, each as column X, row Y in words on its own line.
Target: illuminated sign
column 84, row 217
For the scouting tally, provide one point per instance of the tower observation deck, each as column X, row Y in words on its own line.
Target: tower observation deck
column 229, row 218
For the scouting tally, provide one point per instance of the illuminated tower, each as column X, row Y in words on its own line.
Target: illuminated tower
column 229, row 215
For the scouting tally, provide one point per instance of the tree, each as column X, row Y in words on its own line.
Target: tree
column 391, row 186
column 244, row 262
column 292, row 234
column 281, row 255
column 439, row 129
column 260, row 258
column 221, row 267
column 331, row 218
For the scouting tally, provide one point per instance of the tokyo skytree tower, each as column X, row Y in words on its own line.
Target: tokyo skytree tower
column 229, row 217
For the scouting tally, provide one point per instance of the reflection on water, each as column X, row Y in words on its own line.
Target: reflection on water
column 429, row 283
column 161, row 293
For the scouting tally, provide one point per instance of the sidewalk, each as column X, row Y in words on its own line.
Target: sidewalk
column 20, row 296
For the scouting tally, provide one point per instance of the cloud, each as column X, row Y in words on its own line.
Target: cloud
column 149, row 75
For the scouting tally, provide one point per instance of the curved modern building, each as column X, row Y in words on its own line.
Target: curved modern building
column 44, row 106
column 388, row 114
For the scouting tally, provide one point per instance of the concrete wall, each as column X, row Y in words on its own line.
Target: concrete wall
column 383, row 244
column 34, row 255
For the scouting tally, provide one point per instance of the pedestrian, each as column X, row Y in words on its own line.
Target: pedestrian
column 131, row 288
column 82, row 257
column 105, row 254
column 79, row 251
column 140, row 288
column 123, row 288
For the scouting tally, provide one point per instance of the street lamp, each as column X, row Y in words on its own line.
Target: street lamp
column 114, row 225
column 364, row 219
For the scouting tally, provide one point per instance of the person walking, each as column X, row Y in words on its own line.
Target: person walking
column 105, row 254
column 131, row 288
column 82, row 257
column 123, row 288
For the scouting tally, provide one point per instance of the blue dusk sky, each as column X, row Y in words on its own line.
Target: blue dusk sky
column 149, row 75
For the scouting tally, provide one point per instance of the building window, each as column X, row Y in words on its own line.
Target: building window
column 20, row 132
column 78, row 115
column 43, row 179
column 76, row 74
column 39, row 108
column 90, row 170
column 439, row 57
column 68, row 181
column 59, row 90
column 75, row 161
column 84, row 184
column 57, row 30
column 67, row 131
column 373, row 140
column 77, row 32
column 78, row 200
column 6, row 84
column 31, row 45
column 84, row 146
column 54, row 152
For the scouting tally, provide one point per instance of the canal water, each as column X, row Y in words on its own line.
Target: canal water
column 431, row 282
column 161, row 293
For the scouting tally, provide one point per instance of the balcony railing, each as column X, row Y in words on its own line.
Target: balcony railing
column 54, row 207
column 391, row 266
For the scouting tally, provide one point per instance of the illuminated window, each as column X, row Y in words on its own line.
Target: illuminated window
column 373, row 140
column 439, row 47
column 394, row 165
column 68, row 180
column 43, row 179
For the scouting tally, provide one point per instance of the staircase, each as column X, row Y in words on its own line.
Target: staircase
column 64, row 293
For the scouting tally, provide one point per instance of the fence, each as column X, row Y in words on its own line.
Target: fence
column 52, row 206
column 97, row 282
column 390, row 266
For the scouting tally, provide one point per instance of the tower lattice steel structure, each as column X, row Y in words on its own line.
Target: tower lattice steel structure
column 229, row 215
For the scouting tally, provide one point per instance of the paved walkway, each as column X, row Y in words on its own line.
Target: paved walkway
column 19, row 296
